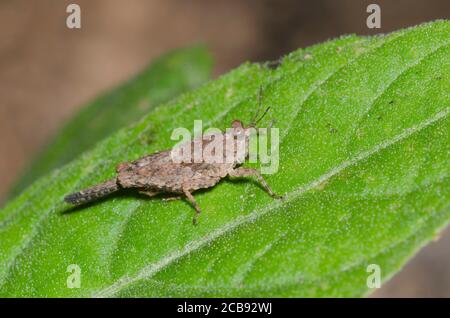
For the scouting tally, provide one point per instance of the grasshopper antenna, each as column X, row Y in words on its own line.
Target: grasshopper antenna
column 254, row 119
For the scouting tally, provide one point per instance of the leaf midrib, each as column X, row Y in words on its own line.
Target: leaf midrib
column 346, row 268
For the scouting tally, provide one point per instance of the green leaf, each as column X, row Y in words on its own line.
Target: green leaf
column 167, row 77
column 363, row 167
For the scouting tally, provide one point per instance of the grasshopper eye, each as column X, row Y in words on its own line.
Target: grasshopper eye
column 237, row 124
column 122, row 167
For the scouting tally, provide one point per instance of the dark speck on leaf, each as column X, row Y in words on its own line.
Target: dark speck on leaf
column 273, row 64
column 331, row 129
column 147, row 139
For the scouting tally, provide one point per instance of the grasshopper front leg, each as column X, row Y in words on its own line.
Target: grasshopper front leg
column 250, row 172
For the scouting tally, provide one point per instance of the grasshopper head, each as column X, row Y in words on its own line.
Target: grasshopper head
column 124, row 166
column 239, row 130
column 242, row 135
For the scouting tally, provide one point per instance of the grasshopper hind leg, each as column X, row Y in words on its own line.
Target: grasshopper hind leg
column 153, row 193
column 250, row 172
column 93, row 193
column 148, row 193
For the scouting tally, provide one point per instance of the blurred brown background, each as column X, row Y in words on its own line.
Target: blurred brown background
column 47, row 71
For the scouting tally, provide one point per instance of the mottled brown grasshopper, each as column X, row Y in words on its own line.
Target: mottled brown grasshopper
column 159, row 173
